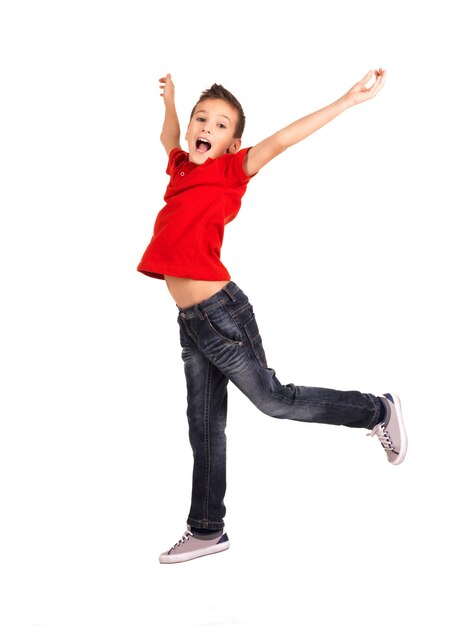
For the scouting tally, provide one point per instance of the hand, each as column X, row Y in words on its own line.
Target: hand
column 359, row 92
column 168, row 87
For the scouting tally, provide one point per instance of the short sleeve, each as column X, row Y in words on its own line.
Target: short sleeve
column 231, row 167
column 175, row 159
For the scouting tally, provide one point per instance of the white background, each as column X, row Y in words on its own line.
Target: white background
column 353, row 250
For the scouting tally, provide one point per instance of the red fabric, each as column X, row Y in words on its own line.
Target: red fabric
column 189, row 230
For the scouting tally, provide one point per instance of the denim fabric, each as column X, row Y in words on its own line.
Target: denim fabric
column 221, row 342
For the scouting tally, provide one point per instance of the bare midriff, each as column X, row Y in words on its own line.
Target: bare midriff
column 187, row 292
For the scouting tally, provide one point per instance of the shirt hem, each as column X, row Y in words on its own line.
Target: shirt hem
column 179, row 273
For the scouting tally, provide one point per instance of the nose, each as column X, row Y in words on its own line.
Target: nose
column 206, row 127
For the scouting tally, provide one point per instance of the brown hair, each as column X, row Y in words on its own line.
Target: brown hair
column 218, row 92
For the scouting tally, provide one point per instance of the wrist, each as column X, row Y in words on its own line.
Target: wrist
column 346, row 102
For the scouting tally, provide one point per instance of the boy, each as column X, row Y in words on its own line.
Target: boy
column 218, row 331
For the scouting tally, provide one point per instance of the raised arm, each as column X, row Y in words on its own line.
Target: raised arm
column 170, row 135
column 266, row 150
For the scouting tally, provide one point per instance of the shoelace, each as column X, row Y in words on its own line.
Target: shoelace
column 383, row 436
column 185, row 537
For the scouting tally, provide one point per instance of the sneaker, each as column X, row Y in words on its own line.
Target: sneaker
column 391, row 432
column 191, row 546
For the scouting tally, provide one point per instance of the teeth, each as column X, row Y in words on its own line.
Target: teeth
column 206, row 142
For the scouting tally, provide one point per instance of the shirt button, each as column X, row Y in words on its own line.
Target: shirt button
column 181, row 173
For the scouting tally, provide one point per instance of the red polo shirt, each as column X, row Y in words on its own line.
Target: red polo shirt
column 189, row 230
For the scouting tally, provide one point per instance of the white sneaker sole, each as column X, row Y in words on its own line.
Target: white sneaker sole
column 401, row 429
column 194, row 554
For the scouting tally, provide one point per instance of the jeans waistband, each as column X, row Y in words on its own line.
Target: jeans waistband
column 226, row 294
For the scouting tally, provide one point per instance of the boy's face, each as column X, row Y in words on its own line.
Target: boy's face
column 210, row 131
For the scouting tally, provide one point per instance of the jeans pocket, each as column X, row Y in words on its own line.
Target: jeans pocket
column 251, row 328
column 223, row 327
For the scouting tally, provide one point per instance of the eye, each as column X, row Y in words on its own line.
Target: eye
column 200, row 119
column 220, row 125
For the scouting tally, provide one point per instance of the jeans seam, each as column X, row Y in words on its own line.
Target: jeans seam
column 253, row 343
column 211, row 525
column 240, row 309
column 319, row 403
column 207, row 446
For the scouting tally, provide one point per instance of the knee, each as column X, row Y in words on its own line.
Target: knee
column 267, row 393
column 273, row 405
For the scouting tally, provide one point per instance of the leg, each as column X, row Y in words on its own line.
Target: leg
column 224, row 329
column 207, row 418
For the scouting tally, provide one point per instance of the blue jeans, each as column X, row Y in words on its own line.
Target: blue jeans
column 221, row 342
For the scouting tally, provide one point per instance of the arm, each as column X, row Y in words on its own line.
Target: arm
column 266, row 150
column 170, row 135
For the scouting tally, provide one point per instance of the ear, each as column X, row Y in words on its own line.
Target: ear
column 186, row 136
column 235, row 146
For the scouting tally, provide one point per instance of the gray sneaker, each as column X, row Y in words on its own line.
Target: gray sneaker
column 191, row 546
column 391, row 432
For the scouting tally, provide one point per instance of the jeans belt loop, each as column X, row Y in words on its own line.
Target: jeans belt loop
column 199, row 312
column 231, row 296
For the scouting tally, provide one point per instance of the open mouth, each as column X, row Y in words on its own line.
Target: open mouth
column 202, row 145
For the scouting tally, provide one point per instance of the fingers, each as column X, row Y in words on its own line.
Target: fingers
column 376, row 86
column 379, row 82
column 360, row 86
column 380, row 73
column 366, row 78
column 165, row 81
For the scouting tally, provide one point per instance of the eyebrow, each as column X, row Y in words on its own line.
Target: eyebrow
column 217, row 114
